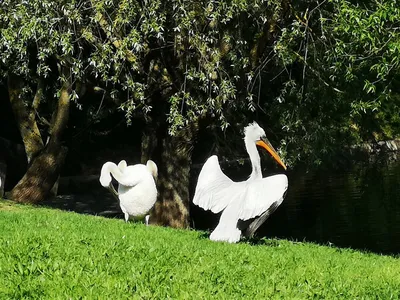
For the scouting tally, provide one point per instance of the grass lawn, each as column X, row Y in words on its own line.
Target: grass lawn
column 50, row 254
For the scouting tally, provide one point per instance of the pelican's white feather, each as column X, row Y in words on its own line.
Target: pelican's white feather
column 122, row 165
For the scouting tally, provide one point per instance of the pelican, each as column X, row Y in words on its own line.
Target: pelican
column 253, row 200
column 137, row 190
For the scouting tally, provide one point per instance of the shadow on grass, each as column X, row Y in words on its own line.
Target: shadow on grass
column 98, row 204
column 256, row 241
column 203, row 235
column 276, row 242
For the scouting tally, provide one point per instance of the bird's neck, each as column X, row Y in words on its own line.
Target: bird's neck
column 254, row 158
column 112, row 168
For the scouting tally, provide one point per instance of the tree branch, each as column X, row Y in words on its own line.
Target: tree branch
column 61, row 118
column 28, row 128
column 38, row 95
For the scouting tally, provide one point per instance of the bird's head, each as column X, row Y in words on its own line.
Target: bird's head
column 105, row 180
column 105, row 175
column 255, row 134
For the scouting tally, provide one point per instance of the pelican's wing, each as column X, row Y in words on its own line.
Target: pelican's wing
column 263, row 195
column 132, row 175
column 258, row 221
column 214, row 190
column 122, row 165
column 152, row 167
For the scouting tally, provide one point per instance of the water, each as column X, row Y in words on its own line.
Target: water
column 357, row 208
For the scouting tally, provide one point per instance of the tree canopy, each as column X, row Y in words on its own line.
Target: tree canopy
column 317, row 73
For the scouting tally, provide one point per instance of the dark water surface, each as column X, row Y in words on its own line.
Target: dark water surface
column 357, row 208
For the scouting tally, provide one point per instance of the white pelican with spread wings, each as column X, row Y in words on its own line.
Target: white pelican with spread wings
column 253, row 200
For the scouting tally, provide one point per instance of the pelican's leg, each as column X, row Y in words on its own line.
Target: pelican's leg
column 226, row 230
column 146, row 219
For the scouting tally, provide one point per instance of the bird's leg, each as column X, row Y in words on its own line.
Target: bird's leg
column 226, row 230
column 146, row 219
column 126, row 215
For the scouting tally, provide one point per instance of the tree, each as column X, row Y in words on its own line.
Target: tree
column 177, row 65
column 170, row 63
column 28, row 61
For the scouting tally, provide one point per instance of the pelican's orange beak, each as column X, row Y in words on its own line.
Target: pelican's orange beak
column 267, row 146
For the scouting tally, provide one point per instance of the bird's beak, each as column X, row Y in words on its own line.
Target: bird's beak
column 267, row 146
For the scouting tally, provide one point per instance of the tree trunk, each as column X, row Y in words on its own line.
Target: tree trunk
column 41, row 175
column 25, row 117
column 45, row 165
column 172, row 155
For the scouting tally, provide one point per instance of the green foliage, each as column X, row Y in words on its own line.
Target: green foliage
column 51, row 254
column 194, row 54
column 338, row 86
column 368, row 54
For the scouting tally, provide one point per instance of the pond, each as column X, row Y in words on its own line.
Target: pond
column 358, row 208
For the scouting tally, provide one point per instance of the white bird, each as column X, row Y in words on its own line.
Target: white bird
column 241, row 201
column 137, row 190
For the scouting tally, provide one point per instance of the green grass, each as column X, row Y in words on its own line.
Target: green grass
column 50, row 254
